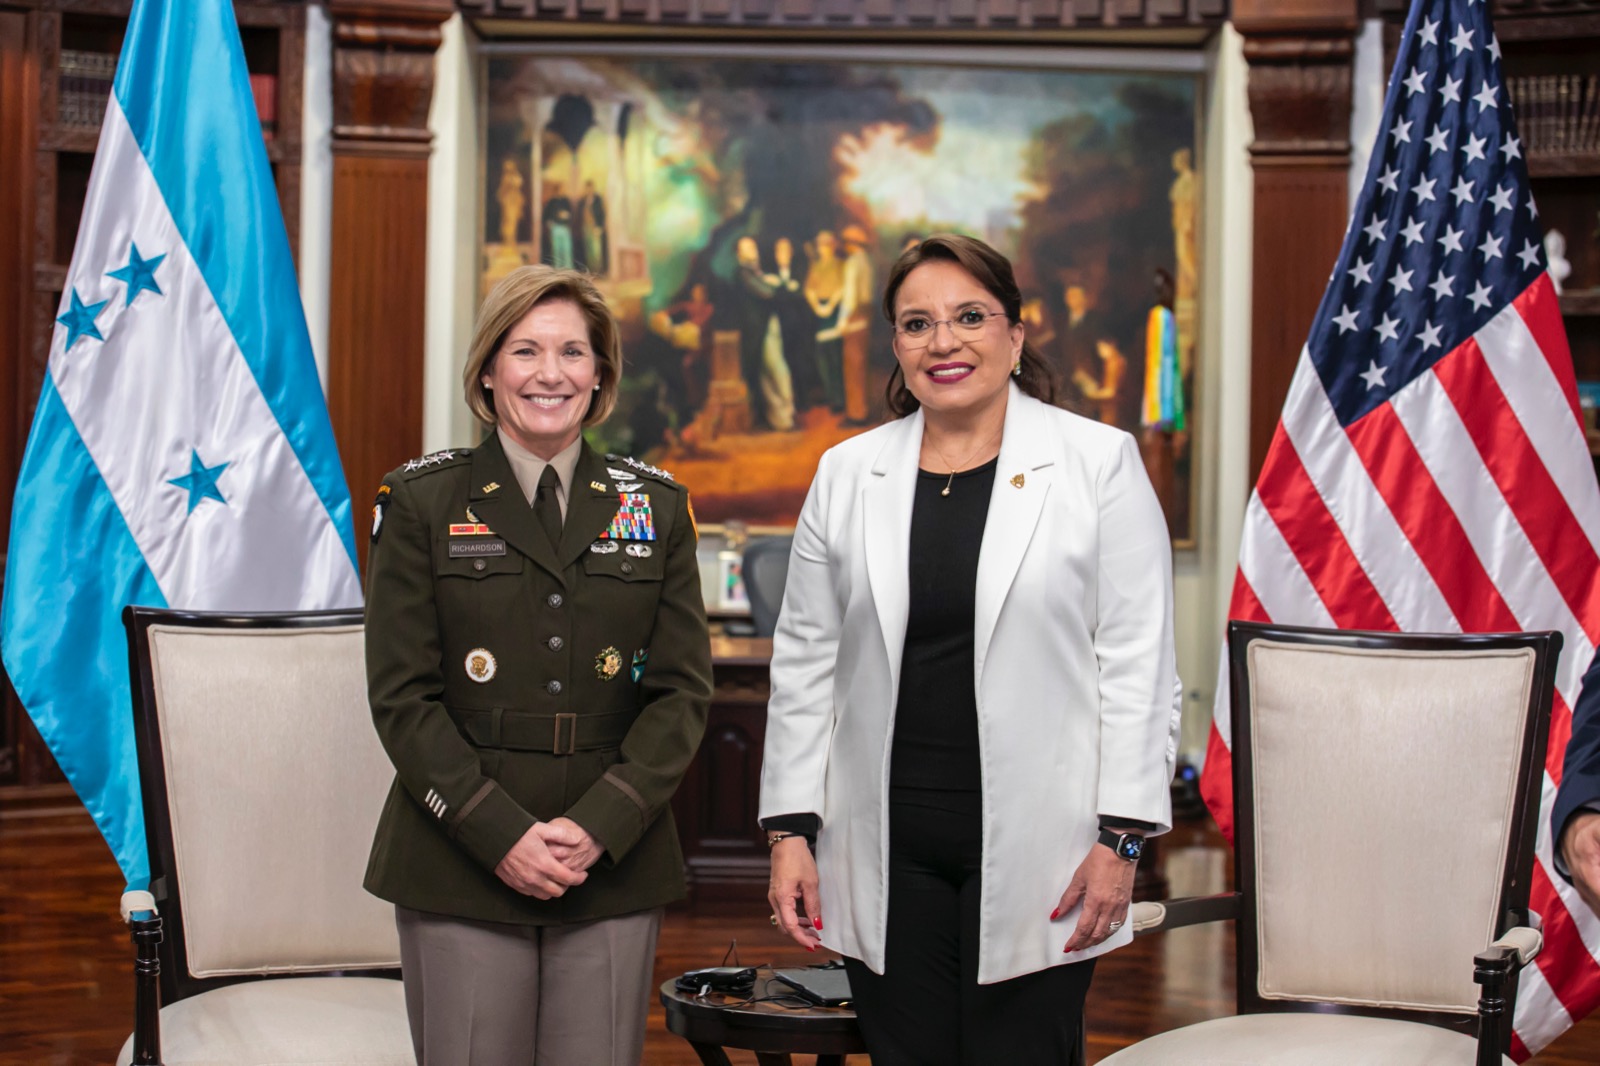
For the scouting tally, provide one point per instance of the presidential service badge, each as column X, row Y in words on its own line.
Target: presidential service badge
column 608, row 664
column 481, row 665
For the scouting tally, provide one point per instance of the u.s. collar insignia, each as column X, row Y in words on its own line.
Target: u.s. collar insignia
column 491, row 486
column 608, row 664
column 481, row 665
column 598, row 486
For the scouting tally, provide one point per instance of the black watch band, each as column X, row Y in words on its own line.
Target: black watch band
column 1126, row 845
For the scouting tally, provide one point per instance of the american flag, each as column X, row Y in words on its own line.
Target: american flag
column 1430, row 471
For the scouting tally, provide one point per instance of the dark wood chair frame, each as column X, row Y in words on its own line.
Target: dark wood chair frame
column 1496, row 968
column 161, row 963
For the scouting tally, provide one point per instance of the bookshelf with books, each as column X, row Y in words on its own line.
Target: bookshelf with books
column 61, row 70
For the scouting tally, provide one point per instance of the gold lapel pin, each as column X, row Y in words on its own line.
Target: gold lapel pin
column 491, row 486
column 1017, row 481
column 598, row 486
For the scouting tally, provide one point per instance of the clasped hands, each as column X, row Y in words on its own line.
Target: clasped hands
column 550, row 858
column 1103, row 883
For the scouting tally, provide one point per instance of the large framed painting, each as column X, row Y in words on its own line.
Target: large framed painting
column 740, row 208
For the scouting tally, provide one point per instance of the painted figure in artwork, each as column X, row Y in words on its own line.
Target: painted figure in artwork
column 512, row 201
column 1106, row 391
column 824, row 293
column 592, row 229
column 855, row 320
column 761, row 343
column 557, row 221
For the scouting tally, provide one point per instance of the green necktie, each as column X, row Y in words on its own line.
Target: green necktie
column 546, row 507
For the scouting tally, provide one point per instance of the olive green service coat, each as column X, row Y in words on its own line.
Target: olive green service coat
column 511, row 683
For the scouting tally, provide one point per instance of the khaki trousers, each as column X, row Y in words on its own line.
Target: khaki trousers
column 488, row 994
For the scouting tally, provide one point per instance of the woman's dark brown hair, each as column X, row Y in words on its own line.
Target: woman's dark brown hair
column 991, row 270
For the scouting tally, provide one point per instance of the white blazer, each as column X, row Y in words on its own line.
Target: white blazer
column 1077, row 691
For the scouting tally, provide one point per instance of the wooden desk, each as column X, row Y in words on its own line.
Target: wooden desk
column 723, row 848
column 774, row 1033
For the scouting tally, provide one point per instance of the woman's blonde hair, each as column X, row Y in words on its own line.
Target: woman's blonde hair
column 512, row 298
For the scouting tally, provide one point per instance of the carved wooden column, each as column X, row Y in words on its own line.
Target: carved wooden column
column 1300, row 54
column 383, row 58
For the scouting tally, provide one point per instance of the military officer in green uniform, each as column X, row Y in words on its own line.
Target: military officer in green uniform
column 539, row 669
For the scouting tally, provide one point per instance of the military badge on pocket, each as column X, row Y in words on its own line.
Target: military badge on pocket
column 608, row 664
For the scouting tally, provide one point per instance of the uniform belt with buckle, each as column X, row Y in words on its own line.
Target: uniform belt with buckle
column 559, row 734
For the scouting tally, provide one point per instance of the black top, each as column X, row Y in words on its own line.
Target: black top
column 936, row 718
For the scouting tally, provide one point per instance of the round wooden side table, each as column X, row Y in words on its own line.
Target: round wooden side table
column 714, row 1022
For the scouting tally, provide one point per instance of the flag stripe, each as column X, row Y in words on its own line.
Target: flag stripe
column 181, row 112
column 68, row 657
column 1539, row 400
column 1540, row 308
column 1540, row 1016
column 1555, row 535
column 1429, row 523
column 1567, row 965
column 1437, row 431
column 1318, row 544
column 1385, row 555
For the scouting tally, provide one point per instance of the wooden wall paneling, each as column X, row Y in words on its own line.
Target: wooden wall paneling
column 19, row 79
column 1299, row 54
column 382, row 85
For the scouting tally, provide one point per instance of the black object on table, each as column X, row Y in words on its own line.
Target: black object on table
column 773, row 1032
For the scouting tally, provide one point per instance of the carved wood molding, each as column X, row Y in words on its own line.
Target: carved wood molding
column 383, row 56
column 864, row 14
column 1299, row 91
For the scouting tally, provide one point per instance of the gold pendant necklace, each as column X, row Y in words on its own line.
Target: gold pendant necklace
column 953, row 468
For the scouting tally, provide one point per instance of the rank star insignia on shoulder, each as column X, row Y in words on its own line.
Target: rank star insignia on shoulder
column 436, row 460
column 643, row 468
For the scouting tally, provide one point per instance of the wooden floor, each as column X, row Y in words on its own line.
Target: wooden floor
column 66, row 992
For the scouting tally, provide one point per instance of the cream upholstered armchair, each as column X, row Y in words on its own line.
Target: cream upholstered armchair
column 1386, row 803
column 262, row 780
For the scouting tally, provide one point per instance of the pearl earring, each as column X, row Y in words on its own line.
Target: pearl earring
column 1016, row 370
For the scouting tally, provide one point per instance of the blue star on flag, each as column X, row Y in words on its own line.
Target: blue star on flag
column 79, row 320
column 200, row 481
column 139, row 274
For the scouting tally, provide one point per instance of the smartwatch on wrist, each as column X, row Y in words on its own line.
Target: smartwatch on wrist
column 1127, row 845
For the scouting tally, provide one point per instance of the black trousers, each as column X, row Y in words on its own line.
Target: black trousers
column 927, row 1008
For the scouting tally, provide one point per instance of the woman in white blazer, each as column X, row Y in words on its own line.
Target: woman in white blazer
column 974, row 704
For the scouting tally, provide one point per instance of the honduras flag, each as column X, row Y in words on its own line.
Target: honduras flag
column 181, row 453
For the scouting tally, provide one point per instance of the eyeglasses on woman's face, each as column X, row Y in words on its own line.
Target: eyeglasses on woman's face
column 916, row 331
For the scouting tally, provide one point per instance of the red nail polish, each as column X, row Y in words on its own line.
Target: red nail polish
column 1055, row 914
column 817, row 922
column 812, row 948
